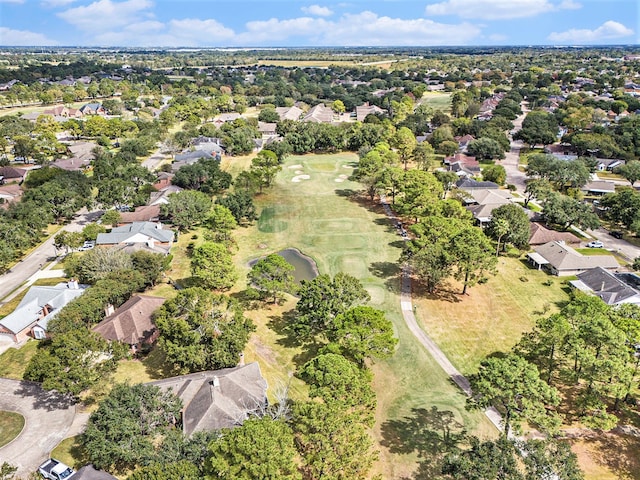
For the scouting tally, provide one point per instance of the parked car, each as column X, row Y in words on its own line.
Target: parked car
column 616, row 234
column 595, row 244
column 56, row 470
column 88, row 245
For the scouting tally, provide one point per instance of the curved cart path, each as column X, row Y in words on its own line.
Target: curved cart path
column 406, row 304
column 49, row 418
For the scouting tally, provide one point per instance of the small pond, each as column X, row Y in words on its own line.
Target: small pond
column 304, row 267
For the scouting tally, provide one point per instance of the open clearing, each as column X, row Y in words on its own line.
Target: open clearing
column 491, row 317
column 342, row 231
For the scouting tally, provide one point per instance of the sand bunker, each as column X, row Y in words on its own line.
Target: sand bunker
column 343, row 176
column 299, row 178
column 339, row 180
column 298, row 172
column 294, row 166
column 345, row 166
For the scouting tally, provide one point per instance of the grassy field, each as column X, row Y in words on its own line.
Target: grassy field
column 11, row 425
column 492, row 316
column 437, row 101
column 324, row 218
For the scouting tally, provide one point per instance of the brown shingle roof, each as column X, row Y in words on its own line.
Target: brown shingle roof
column 539, row 235
column 131, row 323
column 146, row 213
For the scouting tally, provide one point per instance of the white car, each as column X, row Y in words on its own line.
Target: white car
column 595, row 244
column 88, row 245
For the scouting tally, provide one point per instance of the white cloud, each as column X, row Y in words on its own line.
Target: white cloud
column 129, row 23
column 56, row 3
column 24, row 38
column 497, row 9
column 176, row 33
column 607, row 31
column 365, row 28
column 318, row 11
column 106, row 15
column 569, row 5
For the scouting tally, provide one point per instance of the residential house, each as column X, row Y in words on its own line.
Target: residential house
column 132, row 322
column 80, row 157
column 608, row 164
column 145, row 213
column 599, row 187
column 562, row 260
column 163, row 179
column 267, row 128
column 9, row 194
column 539, row 235
column 223, row 118
column 482, row 202
column 463, row 165
column 93, row 109
column 471, row 184
column 13, row 174
column 41, row 303
column 210, row 145
column 138, row 235
column 463, row 142
column 289, row 113
column 610, row 287
column 319, row 114
column 162, row 196
column 218, row 399
column 189, row 158
column 365, row 109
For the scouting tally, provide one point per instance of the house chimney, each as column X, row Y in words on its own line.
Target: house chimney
column 158, row 226
column 241, row 361
column 108, row 310
column 216, row 382
column 72, row 284
column 602, row 286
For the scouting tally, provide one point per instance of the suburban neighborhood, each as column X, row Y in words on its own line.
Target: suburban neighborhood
column 320, row 264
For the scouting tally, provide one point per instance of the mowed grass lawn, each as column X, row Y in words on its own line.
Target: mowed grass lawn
column 324, row 218
column 493, row 316
column 11, row 424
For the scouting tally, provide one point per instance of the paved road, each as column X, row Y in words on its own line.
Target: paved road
column 512, row 157
column 43, row 254
column 49, row 418
column 406, row 305
column 155, row 159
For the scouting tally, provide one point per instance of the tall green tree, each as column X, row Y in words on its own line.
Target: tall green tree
column 630, row 171
column 273, row 276
column 472, row 256
column 259, row 449
column 514, row 387
column 121, row 433
column 322, row 300
column 212, row 266
column 513, row 223
column 200, row 330
column 265, row 166
column 187, row 208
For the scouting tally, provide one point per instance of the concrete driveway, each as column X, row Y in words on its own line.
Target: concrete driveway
column 49, row 418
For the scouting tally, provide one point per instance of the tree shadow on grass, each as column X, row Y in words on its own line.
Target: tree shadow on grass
column 384, row 269
column 428, row 433
column 619, row 453
column 280, row 324
column 444, row 293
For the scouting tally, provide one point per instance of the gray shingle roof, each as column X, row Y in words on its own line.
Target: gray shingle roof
column 29, row 308
column 606, row 286
column 125, row 233
column 563, row 257
column 218, row 399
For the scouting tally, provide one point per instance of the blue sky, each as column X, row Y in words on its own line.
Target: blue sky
column 225, row 23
